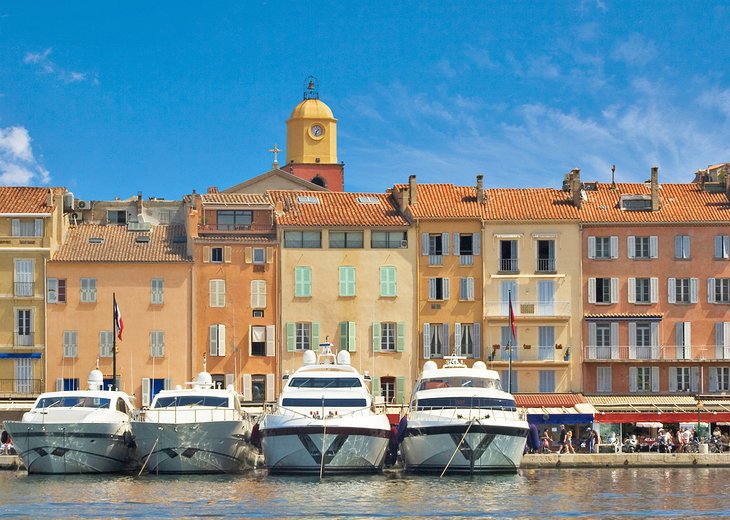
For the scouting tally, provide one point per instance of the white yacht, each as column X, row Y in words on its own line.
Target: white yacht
column 324, row 420
column 461, row 421
column 195, row 430
column 76, row 431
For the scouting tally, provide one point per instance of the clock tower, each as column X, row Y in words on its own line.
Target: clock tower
column 311, row 142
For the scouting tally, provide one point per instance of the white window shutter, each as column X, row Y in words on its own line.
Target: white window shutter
column 693, row 284
column 654, row 379
column 59, row 384
column 653, row 247
column 445, row 288
column 426, row 341
column 631, row 246
column 614, row 247
column 457, row 245
column 719, row 340
column 694, row 379
column 654, row 289
column 457, row 336
column 632, row 340
column 271, row 340
column 591, row 290
column 425, row 244
column 591, row 340
column 145, row 391
column 672, row 290
column 476, row 244
column 206, row 254
column 227, row 254
column 247, row 390
column 614, row 290
column 591, row 247
column 685, row 248
column 672, row 379
column 710, row 290
column 633, row 379
column 445, row 243
column 655, row 340
column 229, row 380
column 213, row 340
column 432, row 288
column 614, row 340
column 270, row 387
column 713, row 379
column 687, row 339
column 632, row 290
column 221, row 340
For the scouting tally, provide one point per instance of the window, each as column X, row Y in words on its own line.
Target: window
column 258, row 294
column 217, row 293
column 230, row 220
column 67, row 384
column 436, row 339
column 466, row 339
column 643, row 340
column 547, row 381
column 23, row 277
column 720, row 289
column 387, row 389
column 24, row 376
column 346, row 239
column 258, row 388
column 217, row 341
column 722, row 340
column 435, row 246
column 56, row 290
column 603, row 340
column 116, row 216
column 639, row 247
column 258, row 340
column 602, row 290
column 719, row 379
column 683, row 335
column 508, row 256
column 23, row 328
column 303, row 339
column 681, row 379
column 157, row 294
column 546, row 298
column 27, row 227
column 216, row 254
column 106, row 343
column 681, row 247
column 347, row 281
column 348, row 340
column 642, row 290
column 388, row 239
column 546, row 343
column 509, row 380
column 88, row 290
column 722, row 247
column 259, row 255
column 70, row 349
column 507, row 290
column 682, row 290
column 546, row 256
column 603, row 248
column 302, row 282
column 603, row 380
column 438, row 289
column 303, row 239
column 387, row 336
column 157, row 343
column 388, row 281
column 507, row 344
column 466, row 246
column 643, row 379
column 466, row 289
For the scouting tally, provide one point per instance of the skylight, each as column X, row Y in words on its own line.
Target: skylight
column 306, row 199
column 96, row 240
column 368, row 200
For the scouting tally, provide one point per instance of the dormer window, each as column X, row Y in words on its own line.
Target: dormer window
column 116, row 217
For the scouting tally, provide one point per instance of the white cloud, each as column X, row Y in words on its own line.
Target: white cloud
column 18, row 166
column 42, row 60
column 716, row 99
column 635, row 50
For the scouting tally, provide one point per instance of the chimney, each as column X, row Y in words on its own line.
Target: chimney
column 480, row 189
column 575, row 187
column 655, row 188
column 412, row 190
column 212, row 189
column 139, row 203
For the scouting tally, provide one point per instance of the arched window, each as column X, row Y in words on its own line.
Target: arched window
column 319, row 181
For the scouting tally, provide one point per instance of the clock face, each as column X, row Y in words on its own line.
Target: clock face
column 316, row 131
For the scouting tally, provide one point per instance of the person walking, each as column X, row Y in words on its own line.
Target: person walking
column 561, row 442
column 569, row 442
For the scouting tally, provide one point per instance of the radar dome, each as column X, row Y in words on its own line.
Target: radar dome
column 203, row 378
column 96, row 380
column 310, row 358
column 429, row 365
column 343, row 357
column 480, row 365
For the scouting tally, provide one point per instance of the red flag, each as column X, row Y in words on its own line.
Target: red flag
column 512, row 319
column 118, row 323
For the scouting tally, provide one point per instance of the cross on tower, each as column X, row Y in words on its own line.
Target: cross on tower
column 275, row 150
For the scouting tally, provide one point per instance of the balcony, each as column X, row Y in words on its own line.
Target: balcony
column 435, row 260
column 692, row 353
column 24, row 289
column 466, row 260
column 20, row 242
column 24, row 340
column 528, row 354
column 546, row 265
column 508, row 265
column 235, row 229
column 529, row 309
column 20, row 388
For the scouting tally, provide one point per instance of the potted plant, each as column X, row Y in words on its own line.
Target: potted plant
column 566, row 356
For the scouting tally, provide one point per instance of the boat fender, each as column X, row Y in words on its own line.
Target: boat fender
column 128, row 439
column 402, row 427
column 256, row 435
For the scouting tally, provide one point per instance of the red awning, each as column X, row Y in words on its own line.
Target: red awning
column 663, row 417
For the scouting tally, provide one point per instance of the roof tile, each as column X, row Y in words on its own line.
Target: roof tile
column 24, row 200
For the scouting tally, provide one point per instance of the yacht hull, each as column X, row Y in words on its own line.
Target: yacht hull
column 58, row 448
column 295, row 445
column 463, row 447
column 205, row 447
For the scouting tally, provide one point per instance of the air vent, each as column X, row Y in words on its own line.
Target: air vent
column 590, row 186
column 258, row 313
column 96, row 240
column 142, row 239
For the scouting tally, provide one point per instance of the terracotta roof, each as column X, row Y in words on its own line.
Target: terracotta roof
column 642, row 403
column 679, row 203
column 336, row 209
column 548, row 400
column 237, row 239
column 246, row 199
column 529, row 204
column 24, row 200
column 119, row 245
column 625, row 316
column 444, row 201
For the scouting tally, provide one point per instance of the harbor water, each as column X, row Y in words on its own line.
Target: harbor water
column 531, row 493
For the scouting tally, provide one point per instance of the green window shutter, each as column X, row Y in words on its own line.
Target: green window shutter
column 342, row 327
column 387, row 281
column 400, row 345
column 351, row 338
column 400, row 389
column 291, row 337
column 347, row 281
column 315, row 335
column 307, row 281
column 342, row 281
column 376, row 336
column 302, row 282
column 376, row 387
column 383, row 281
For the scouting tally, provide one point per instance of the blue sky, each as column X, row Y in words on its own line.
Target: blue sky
column 112, row 98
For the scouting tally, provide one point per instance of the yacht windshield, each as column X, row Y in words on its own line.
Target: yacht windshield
column 327, row 403
column 459, row 382
column 73, row 402
column 325, row 382
column 191, row 400
column 465, row 402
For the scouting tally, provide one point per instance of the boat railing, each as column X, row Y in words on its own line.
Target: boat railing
column 190, row 414
column 323, row 414
column 494, row 414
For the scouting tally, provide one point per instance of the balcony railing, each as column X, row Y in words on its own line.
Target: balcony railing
column 545, row 265
column 20, row 387
column 508, row 265
column 230, row 229
column 530, row 308
column 24, row 288
column 24, row 340
column 435, row 260
column 531, row 353
column 657, row 353
column 22, row 241
column 466, row 260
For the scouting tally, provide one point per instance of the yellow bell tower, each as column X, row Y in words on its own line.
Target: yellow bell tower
column 311, row 141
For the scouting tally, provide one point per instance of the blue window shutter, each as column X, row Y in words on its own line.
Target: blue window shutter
column 477, row 341
column 445, row 243
column 457, row 245
column 426, row 341
column 425, row 245
column 476, row 244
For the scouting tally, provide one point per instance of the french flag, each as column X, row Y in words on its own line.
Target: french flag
column 512, row 319
column 118, row 323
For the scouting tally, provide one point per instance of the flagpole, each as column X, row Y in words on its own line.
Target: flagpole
column 114, row 343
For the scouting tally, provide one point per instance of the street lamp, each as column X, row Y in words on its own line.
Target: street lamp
column 700, row 405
